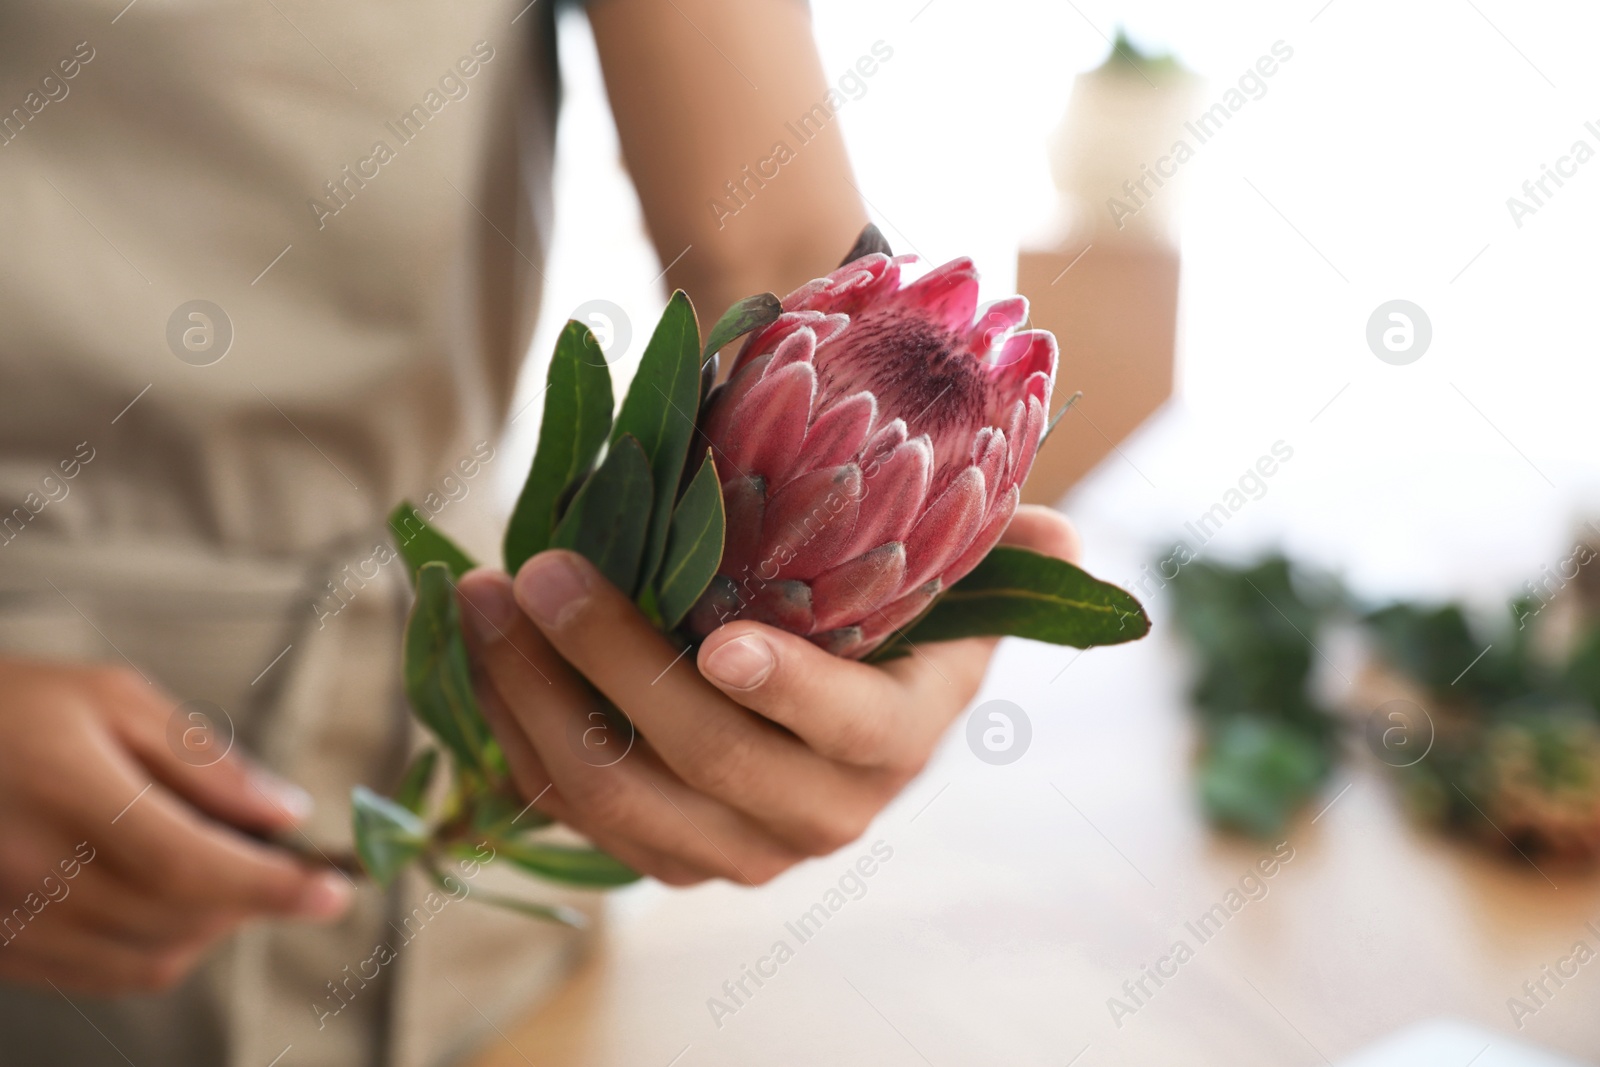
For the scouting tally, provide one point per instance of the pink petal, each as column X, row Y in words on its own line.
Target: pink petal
column 1026, row 353
column 839, row 432
column 770, row 422
column 989, row 455
column 1038, row 385
column 996, row 322
column 720, row 603
column 993, row 527
column 811, row 520
column 851, row 591
column 1016, row 419
column 767, row 339
column 867, row 280
column 798, row 347
column 786, row 605
column 946, row 528
column 728, row 397
column 845, row 642
column 1032, row 429
column 744, row 502
column 829, row 327
column 884, row 440
column 893, row 618
column 893, row 490
column 947, row 295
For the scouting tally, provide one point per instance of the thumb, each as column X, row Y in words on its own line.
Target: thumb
column 1044, row 530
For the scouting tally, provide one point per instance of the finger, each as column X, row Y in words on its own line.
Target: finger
column 1044, row 530
column 106, row 903
column 160, row 842
column 528, row 773
column 857, row 713
column 708, row 740
column 229, row 788
column 842, row 709
column 605, row 638
column 624, row 804
column 82, row 961
column 535, row 784
column 42, row 856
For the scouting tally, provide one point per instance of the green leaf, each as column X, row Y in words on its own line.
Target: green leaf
column 499, row 812
column 571, row 865
column 659, row 413
column 751, row 313
column 420, row 543
column 438, row 680
column 577, row 418
column 387, row 835
column 1020, row 593
column 414, row 786
column 609, row 520
column 555, row 913
column 694, row 546
column 1255, row 773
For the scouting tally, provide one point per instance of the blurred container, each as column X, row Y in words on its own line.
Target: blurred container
column 1104, row 274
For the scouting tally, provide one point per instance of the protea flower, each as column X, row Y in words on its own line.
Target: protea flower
column 870, row 444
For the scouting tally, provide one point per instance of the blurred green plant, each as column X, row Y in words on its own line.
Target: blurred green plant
column 1266, row 744
column 1511, row 713
column 1515, row 756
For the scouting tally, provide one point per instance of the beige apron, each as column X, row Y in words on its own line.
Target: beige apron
column 362, row 190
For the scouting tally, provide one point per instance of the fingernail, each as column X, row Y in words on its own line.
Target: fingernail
column 326, row 897
column 288, row 798
column 551, row 589
column 490, row 609
column 742, row 663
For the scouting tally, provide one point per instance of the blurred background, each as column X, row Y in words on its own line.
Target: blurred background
column 1374, row 164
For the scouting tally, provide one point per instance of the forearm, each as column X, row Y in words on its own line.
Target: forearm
column 704, row 93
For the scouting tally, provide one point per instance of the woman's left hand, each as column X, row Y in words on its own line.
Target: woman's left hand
column 772, row 751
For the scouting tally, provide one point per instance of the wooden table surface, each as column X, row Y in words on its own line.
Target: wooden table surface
column 1019, row 899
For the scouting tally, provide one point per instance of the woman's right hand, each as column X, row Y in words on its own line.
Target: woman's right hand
column 121, row 864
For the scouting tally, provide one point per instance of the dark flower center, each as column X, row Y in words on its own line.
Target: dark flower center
column 918, row 371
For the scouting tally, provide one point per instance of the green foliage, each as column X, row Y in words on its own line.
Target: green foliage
column 1436, row 647
column 1267, row 746
column 1581, row 676
column 1516, row 757
column 694, row 545
column 420, row 543
column 1255, row 772
column 414, row 786
column 387, row 835
column 577, row 419
column 659, row 413
column 1125, row 54
column 608, row 519
column 1508, row 745
column 438, row 678
column 1252, row 629
column 1021, row 593
column 751, row 313
column 565, row 863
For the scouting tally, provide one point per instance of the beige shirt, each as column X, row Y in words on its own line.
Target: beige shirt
column 359, row 195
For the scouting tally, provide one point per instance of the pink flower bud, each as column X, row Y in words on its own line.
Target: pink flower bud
column 871, row 442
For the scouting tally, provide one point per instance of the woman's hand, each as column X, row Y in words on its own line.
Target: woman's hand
column 772, row 751
column 119, row 866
